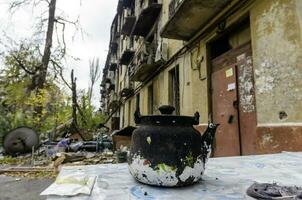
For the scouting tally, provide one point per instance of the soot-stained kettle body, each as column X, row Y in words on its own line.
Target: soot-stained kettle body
column 167, row 151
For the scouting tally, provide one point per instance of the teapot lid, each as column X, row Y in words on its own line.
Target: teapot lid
column 166, row 118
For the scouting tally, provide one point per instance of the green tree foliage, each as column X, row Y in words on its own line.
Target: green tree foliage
column 91, row 117
column 18, row 100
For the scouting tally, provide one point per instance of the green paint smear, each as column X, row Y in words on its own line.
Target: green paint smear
column 165, row 168
column 189, row 160
column 149, row 140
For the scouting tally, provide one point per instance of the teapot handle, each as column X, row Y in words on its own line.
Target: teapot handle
column 196, row 118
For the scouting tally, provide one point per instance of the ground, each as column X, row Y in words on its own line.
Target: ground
column 19, row 185
column 13, row 188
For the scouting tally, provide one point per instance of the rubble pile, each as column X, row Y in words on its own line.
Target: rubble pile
column 42, row 166
column 47, row 158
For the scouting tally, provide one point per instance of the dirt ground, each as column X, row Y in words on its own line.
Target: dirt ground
column 13, row 188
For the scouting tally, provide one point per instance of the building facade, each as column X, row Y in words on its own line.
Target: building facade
column 238, row 62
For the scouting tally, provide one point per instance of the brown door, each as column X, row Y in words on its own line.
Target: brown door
column 225, row 112
column 233, row 102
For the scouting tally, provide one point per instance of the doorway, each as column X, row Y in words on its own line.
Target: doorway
column 233, row 94
column 174, row 95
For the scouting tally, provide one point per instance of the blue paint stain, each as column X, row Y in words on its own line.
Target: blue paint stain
column 137, row 192
column 260, row 165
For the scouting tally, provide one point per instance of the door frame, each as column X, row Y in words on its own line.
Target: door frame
column 210, row 90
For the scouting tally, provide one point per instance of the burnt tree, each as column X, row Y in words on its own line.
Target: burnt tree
column 48, row 56
column 43, row 68
column 74, row 124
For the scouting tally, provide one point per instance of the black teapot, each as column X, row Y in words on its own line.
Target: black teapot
column 167, row 151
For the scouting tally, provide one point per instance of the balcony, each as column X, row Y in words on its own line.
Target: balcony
column 114, row 34
column 147, row 15
column 128, row 21
column 145, row 62
column 102, row 91
column 112, row 63
column 112, row 66
column 113, row 100
column 123, row 4
column 103, row 84
column 127, row 55
column 186, row 17
column 113, row 46
column 110, row 77
column 126, row 92
column 110, row 88
column 110, row 82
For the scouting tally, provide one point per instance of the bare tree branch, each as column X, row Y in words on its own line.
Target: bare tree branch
column 59, row 68
column 62, row 20
column 63, row 50
column 94, row 75
column 15, row 5
column 21, row 65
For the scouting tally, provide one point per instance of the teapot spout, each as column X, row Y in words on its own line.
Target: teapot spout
column 208, row 139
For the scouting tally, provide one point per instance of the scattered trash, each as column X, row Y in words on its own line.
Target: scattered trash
column 63, row 145
column 24, row 156
column 121, row 156
column 20, row 141
column 76, row 146
column 71, row 185
column 273, row 191
column 122, row 137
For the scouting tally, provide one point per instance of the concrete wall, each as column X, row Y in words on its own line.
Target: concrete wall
column 277, row 53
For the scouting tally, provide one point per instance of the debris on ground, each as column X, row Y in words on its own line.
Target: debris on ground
column 47, row 159
column 29, row 172
column 43, row 166
column 122, row 137
column 20, row 140
column 84, row 158
column 122, row 154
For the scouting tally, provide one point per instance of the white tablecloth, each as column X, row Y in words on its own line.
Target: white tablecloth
column 225, row 179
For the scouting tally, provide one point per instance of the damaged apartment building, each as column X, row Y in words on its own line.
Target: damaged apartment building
column 238, row 62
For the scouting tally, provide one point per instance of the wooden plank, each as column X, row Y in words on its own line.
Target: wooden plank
column 26, row 169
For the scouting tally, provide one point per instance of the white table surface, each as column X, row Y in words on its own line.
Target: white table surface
column 225, row 179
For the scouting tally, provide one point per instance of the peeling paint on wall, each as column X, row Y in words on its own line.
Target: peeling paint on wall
column 266, row 139
column 277, row 59
column 246, row 86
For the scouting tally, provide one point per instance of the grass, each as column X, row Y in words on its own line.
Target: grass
column 8, row 160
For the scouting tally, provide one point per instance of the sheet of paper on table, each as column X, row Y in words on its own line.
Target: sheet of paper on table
column 225, row 178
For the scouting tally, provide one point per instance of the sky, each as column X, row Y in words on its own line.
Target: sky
column 95, row 17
